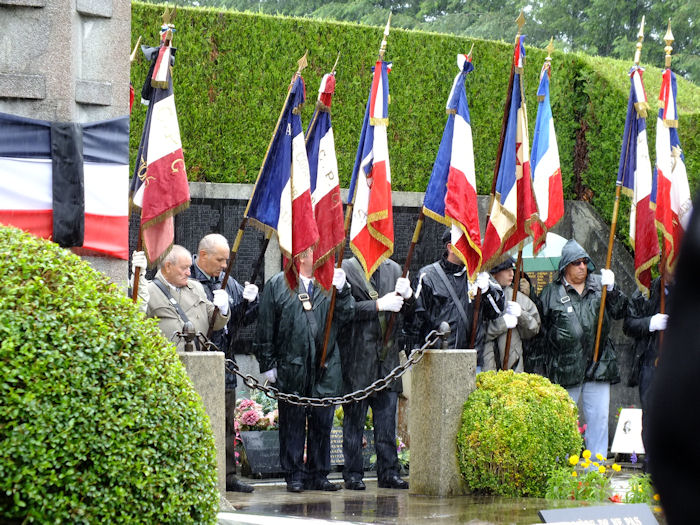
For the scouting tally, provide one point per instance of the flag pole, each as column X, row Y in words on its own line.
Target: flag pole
column 348, row 218
column 520, row 21
column 668, row 39
column 301, row 63
column 516, row 283
column 613, row 224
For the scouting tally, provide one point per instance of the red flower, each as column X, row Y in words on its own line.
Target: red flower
column 615, row 498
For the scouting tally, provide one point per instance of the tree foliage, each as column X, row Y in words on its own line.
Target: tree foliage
column 598, row 27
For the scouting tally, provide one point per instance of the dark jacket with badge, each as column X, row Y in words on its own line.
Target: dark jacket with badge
column 434, row 304
column 285, row 339
column 242, row 313
column 570, row 323
column 364, row 357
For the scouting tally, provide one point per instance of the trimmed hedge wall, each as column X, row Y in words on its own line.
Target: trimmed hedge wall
column 232, row 71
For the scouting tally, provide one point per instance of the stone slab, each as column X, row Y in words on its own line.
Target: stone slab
column 206, row 371
column 31, row 87
column 92, row 92
column 101, row 8
column 441, row 383
column 24, row 3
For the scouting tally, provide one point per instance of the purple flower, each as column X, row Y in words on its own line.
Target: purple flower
column 250, row 417
column 633, row 458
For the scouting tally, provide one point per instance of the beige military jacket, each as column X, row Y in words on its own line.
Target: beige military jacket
column 193, row 301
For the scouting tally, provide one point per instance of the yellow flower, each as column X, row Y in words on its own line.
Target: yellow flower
column 657, row 497
column 586, row 454
column 574, row 474
column 616, row 467
column 573, row 459
column 600, row 457
column 657, row 509
column 601, row 469
column 586, row 464
column 596, row 464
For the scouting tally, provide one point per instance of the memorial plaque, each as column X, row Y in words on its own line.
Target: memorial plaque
column 616, row 514
column 337, row 447
column 262, row 450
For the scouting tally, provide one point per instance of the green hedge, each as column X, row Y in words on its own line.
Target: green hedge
column 232, row 71
column 98, row 420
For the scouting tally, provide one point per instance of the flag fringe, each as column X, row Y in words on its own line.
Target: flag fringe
column 163, row 216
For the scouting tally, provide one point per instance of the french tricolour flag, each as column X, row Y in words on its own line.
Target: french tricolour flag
column 325, row 184
column 672, row 192
column 67, row 182
column 451, row 194
column 372, row 227
column 514, row 208
column 546, row 169
column 634, row 174
column 282, row 198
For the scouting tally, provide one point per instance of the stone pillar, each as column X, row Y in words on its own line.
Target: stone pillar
column 206, row 371
column 68, row 61
column 440, row 385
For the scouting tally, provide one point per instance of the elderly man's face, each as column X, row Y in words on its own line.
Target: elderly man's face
column 577, row 271
column 213, row 262
column 177, row 273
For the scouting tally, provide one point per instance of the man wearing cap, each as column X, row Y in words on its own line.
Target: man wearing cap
column 570, row 306
column 521, row 317
column 443, row 294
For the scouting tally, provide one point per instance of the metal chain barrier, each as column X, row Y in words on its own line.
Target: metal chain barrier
column 380, row 384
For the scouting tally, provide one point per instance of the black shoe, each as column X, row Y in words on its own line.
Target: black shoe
column 233, row 484
column 355, row 484
column 321, row 484
column 393, row 482
column 295, row 486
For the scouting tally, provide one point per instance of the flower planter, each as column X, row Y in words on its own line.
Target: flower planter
column 261, row 451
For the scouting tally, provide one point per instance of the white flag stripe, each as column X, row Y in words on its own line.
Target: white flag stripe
column 546, row 167
column 26, row 184
column 462, row 152
column 327, row 174
column 167, row 140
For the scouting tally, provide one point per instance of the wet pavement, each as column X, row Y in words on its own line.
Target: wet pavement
column 272, row 504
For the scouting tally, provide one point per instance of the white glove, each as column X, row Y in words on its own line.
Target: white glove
column 658, row 322
column 250, row 292
column 607, row 278
column 391, row 302
column 513, row 308
column 339, row 278
column 138, row 260
column 271, row 375
column 510, row 320
column 221, row 301
column 482, row 281
column 403, row 287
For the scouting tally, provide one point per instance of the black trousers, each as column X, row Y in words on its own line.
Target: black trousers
column 383, row 405
column 293, row 421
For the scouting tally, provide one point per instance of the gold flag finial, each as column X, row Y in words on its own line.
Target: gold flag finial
column 382, row 47
column 302, row 63
column 469, row 55
column 550, row 49
column 668, row 38
column 520, row 21
column 640, row 39
column 168, row 15
column 132, row 56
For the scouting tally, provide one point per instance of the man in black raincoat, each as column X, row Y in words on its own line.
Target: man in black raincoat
column 365, row 359
column 570, row 306
column 288, row 346
column 442, row 294
column 208, row 268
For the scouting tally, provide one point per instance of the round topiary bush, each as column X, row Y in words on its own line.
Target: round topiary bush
column 516, row 428
column 98, row 420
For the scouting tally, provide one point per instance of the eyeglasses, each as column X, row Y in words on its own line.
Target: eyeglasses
column 580, row 261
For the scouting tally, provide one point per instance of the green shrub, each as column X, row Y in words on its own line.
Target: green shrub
column 98, row 420
column 516, row 429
